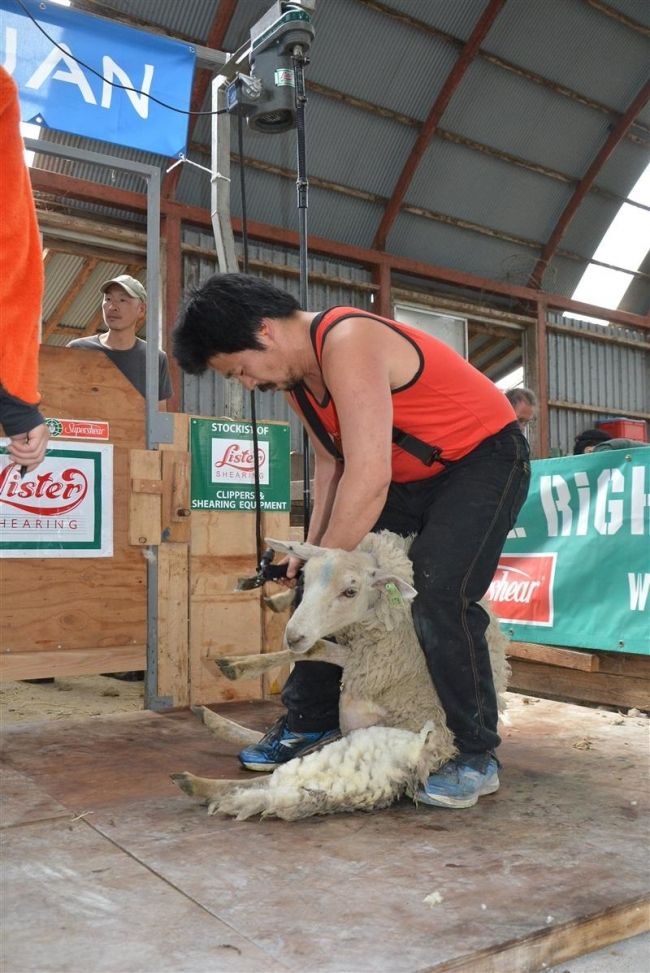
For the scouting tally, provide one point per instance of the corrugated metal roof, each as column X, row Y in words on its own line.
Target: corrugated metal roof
column 439, row 243
column 379, row 59
column 491, row 105
column 399, row 64
column 572, row 43
column 483, row 181
column 185, row 19
column 458, row 18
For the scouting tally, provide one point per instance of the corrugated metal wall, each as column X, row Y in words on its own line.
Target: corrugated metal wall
column 209, row 394
column 588, row 372
column 581, row 371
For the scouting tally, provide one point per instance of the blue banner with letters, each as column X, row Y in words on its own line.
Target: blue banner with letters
column 575, row 570
column 80, row 86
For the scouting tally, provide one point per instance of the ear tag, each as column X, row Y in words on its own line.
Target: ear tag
column 394, row 594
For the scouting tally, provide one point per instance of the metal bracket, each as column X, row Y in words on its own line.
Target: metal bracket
column 160, row 703
column 162, row 427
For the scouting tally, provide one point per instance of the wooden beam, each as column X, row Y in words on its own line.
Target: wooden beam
column 575, row 684
column 570, row 210
column 68, row 299
column 616, row 339
column 453, row 80
column 559, row 943
column 81, row 249
column 195, row 215
column 622, row 18
column 552, row 655
column 604, row 410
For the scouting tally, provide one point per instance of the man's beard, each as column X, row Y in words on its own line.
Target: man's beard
column 287, row 386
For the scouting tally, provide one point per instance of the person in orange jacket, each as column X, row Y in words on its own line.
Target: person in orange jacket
column 21, row 292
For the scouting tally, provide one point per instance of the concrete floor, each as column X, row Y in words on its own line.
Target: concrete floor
column 109, row 868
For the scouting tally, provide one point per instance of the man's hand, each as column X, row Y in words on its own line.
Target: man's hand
column 28, row 448
column 294, row 565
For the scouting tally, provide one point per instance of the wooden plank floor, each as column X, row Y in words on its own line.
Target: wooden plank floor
column 109, row 868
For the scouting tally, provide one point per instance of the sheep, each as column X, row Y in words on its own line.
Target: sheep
column 393, row 725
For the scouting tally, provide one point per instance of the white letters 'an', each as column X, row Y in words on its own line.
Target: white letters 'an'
column 50, row 67
column 139, row 99
column 74, row 74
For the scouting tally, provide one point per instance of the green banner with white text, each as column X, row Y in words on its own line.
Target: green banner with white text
column 223, row 465
column 575, row 570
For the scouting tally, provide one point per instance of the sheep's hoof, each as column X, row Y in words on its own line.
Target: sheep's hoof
column 229, row 668
column 186, row 782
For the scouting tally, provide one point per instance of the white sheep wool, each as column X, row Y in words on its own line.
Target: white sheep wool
column 366, row 770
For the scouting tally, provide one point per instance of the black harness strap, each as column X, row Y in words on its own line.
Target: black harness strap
column 312, row 417
column 427, row 454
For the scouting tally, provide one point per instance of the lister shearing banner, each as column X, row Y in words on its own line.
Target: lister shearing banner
column 88, row 76
column 63, row 508
column 223, row 465
column 575, row 570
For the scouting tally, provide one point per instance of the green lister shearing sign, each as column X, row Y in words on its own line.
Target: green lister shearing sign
column 223, row 465
column 575, row 570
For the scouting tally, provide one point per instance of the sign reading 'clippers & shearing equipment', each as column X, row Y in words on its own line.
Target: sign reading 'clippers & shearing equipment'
column 63, row 508
column 223, row 465
column 575, row 570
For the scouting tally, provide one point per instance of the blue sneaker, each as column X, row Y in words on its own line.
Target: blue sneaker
column 281, row 744
column 460, row 782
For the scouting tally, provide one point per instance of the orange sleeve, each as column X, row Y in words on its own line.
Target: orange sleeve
column 21, row 258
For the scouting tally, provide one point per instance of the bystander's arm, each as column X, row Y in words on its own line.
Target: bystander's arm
column 26, row 429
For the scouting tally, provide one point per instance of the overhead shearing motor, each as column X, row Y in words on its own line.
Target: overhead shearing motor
column 267, row 96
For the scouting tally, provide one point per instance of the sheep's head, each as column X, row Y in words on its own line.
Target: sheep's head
column 342, row 588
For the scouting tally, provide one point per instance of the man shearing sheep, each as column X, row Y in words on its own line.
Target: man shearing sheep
column 407, row 437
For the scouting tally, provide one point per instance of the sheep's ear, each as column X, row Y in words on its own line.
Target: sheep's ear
column 295, row 548
column 394, row 585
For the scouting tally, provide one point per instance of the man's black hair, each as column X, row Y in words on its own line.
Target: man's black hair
column 224, row 316
column 590, row 437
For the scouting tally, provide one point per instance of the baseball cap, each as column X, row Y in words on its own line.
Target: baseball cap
column 132, row 286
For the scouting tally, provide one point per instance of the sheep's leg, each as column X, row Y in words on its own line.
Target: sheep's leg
column 225, row 729
column 238, row 666
column 280, row 602
column 208, row 789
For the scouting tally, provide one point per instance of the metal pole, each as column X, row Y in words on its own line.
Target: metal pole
column 302, row 188
column 159, row 426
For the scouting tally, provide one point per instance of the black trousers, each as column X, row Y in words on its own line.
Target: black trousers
column 461, row 519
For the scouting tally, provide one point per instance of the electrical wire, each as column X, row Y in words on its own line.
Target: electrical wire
column 122, row 87
column 245, row 262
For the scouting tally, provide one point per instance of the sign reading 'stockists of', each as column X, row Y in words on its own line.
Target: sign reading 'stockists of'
column 223, row 465
column 92, row 77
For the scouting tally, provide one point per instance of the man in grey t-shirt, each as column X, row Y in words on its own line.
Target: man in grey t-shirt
column 124, row 307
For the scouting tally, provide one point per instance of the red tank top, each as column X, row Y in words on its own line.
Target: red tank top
column 448, row 403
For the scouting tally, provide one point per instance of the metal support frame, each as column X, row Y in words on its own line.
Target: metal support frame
column 159, row 425
column 224, row 237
